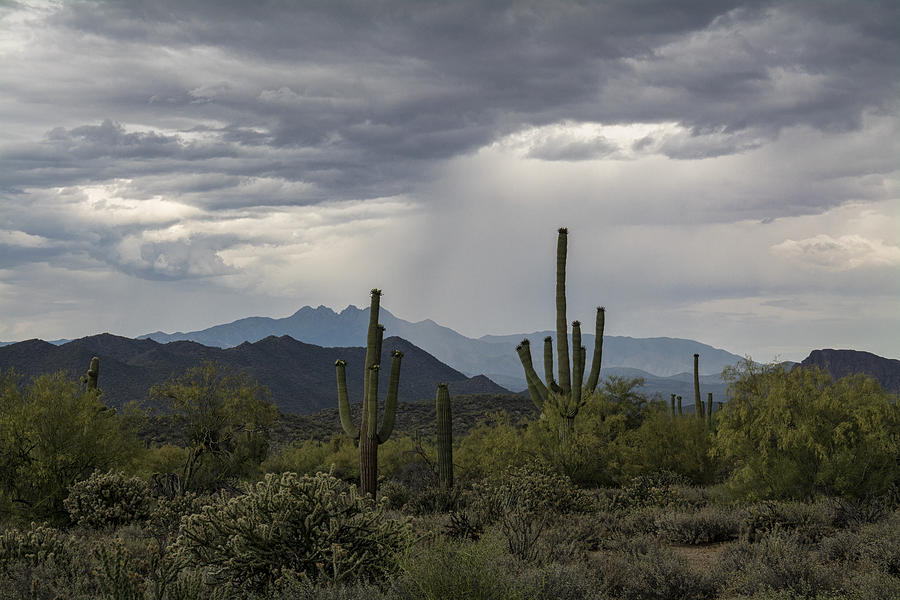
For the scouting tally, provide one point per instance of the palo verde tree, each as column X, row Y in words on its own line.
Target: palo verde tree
column 53, row 433
column 568, row 395
column 797, row 433
column 225, row 417
column 367, row 433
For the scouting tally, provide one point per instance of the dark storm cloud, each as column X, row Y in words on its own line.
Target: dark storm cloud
column 361, row 98
column 228, row 106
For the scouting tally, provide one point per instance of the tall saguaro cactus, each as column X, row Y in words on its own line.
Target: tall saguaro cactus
column 698, row 403
column 444, row 436
column 368, row 433
column 93, row 374
column 568, row 395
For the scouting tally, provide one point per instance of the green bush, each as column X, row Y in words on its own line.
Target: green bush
column 108, row 500
column 317, row 526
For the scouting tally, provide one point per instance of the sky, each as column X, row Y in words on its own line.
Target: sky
column 728, row 171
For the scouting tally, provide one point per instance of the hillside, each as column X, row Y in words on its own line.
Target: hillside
column 299, row 376
column 840, row 363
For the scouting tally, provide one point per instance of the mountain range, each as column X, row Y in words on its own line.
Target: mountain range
column 299, row 376
column 491, row 355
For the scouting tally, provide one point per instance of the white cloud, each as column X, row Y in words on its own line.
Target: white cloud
column 839, row 254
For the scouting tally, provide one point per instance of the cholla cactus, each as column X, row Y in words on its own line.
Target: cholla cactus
column 567, row 396
column 368, row 433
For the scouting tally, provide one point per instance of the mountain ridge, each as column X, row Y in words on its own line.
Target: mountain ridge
column 300, row 376
column 492, row 355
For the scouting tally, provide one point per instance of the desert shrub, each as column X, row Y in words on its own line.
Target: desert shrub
column 810, row 521
column 870, row 586
column 560, row 581
column 853, row 512
column 521, row 499
column 393, row 494
column 434, row 499
column 644, row 570
column 315, row 525
column 777, row 562
column 442, row 569
column 874, row 547
column 661, row 488
column 108, row 500
column 711, row 524
column 339, row 456
column 534, row 488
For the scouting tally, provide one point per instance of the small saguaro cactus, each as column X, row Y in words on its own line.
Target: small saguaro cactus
column 680, row 413
column 698, row 403
column 709, row 408
column 444, row 436
column 367, row 433
column 672, row 402
column 93, row 374
column 569, row 394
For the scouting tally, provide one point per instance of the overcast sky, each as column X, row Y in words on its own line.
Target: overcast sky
column 728, row 171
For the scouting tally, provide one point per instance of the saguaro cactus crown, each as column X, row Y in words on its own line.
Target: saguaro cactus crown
column 368, row 433
column 567, row 395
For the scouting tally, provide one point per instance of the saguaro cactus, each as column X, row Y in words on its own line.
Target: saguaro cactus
column 444, row 436
column 698, row 403
column 93, row 374
column 680, row 413
column 672, row 402
column 567, row 396
column 709, row 408
column 368, row 433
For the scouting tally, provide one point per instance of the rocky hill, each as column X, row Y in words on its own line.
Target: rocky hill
column 840, row 363
column 300, row 376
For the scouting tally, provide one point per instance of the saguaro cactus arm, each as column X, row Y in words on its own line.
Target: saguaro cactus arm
column 344, row 401
column 93, row 374
column 390, row 403
column 594, row 377
column 577, row 366
column 548, row 365
column 537, row 390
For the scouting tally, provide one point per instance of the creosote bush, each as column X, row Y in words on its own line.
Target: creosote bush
column 108, row 500
column 316, row 526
